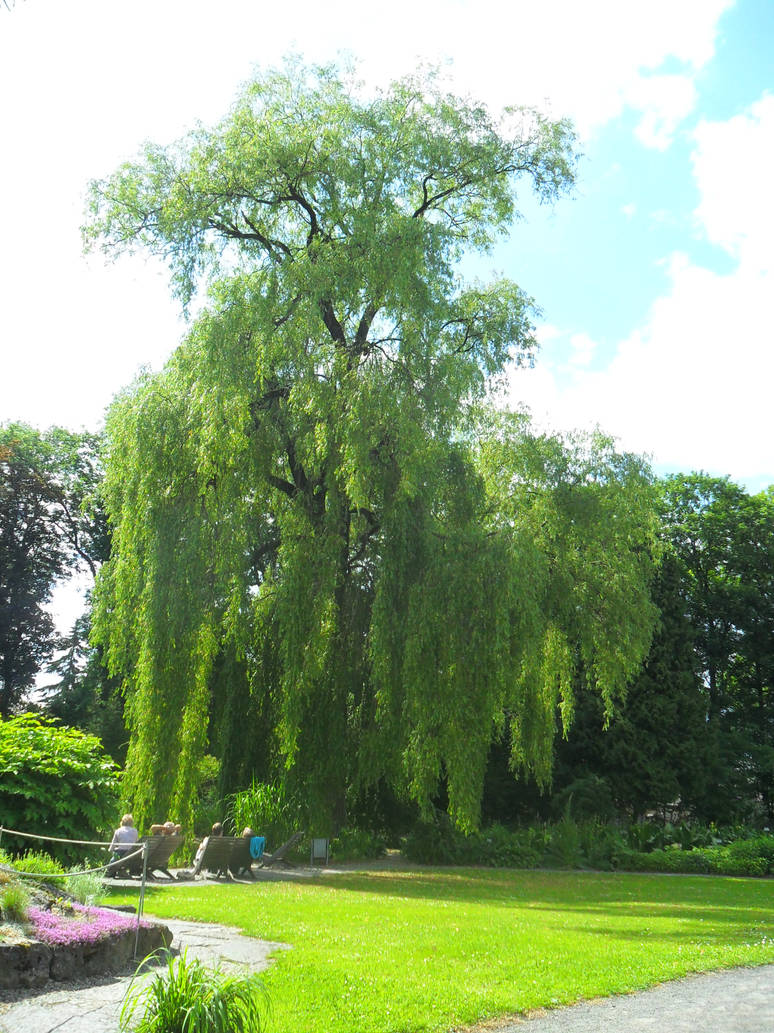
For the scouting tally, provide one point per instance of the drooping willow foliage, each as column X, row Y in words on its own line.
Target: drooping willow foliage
column 331, row 556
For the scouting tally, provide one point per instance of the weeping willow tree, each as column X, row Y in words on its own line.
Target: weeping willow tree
column 320, row 528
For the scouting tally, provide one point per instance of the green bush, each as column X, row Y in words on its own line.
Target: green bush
column 57, row 781
column 357, row 845
column 685, row 862
column 644, row 836
column 191, row 998
column 439, row 842
column 564, row 848
column 586, row 798
column 747, row 857
column 434, row 842
column 592, row 844
column 601, row 845
column 86, row 887
column 500, row 847
column 36, row 862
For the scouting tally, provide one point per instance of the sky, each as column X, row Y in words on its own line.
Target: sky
column 655, row 278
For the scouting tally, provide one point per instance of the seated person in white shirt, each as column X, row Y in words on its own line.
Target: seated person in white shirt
column 124, row 838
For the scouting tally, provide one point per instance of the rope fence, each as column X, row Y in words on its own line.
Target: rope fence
column 112, row 864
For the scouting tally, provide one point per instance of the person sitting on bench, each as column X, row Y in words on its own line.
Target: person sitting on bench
column 124, row 838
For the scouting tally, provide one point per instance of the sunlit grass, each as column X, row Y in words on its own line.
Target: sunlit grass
column 431, row 950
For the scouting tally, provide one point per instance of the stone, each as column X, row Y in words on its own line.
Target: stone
column 25, row 965
column 34, row 964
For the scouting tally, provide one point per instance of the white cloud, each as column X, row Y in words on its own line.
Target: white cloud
column 582, row 350
column 665, row 101
column 732, row 165
column 693, row 385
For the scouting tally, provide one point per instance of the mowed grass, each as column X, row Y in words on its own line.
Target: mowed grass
column 438, row 949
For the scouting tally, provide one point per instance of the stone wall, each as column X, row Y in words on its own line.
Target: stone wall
column 34, row 964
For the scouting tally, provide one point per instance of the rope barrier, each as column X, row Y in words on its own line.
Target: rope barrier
column 83, row 871
column 52, row 839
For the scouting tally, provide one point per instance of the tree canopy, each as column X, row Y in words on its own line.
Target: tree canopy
column 723, row 539
column 47, row 530
column 331, row 555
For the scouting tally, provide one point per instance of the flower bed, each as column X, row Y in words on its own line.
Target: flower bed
column 67, row 941
column 71, row 924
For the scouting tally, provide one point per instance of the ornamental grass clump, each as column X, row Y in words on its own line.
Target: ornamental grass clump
column 14, row 903
column 191, row 998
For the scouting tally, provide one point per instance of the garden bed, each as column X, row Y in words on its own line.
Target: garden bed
column 62, row 940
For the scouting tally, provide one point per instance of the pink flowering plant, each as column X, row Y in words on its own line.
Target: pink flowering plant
column 76, row 924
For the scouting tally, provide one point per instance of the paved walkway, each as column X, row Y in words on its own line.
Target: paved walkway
column 95, row 1006
column 739, row 1000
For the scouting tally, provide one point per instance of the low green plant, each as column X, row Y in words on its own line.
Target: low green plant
column 36, row 862
column 190, row 998
column 14, row 902
column 749, row 857
column 586, row 798
column 86, row 887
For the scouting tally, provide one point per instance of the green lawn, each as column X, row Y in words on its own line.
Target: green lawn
column 436, row 949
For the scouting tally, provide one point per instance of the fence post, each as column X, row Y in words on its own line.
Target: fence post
column 141, row 901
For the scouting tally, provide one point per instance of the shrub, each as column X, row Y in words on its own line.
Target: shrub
column 440, row 842
column 644, row 836
column 586, row 798
column 55, row 780
column 36, row 862
column 357, row 845
column 508, row 848
column 602, row 845
column 14, row 902
column 192, row 998
column 685, row 862
column 564, row 847
column 748, row 857
column 435, row 842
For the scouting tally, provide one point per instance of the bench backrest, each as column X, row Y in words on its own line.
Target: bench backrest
column 222, row 852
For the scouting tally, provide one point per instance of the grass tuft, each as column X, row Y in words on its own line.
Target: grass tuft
column 191, row 998
column 14, row 903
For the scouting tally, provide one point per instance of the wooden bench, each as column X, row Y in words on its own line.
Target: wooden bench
column 160, row 849
column 224, row 855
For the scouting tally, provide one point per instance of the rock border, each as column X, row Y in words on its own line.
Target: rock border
column 34, row 964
